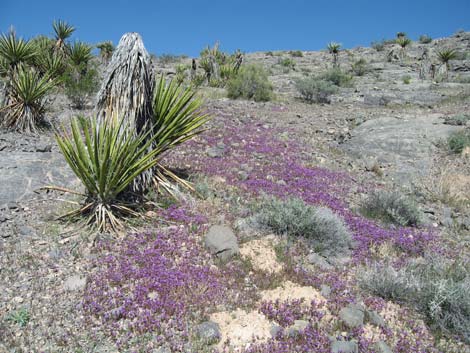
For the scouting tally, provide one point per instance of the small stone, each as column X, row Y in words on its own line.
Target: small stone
column 374, row 318
column 208, row 332
column 382, row 347
column 352, row 316
column 274, row 330
column 325, row 290
column 75, row 282
column 344, row 347
column 319, row 261
column 221, row 242
column 44, row 148
column 297, row 327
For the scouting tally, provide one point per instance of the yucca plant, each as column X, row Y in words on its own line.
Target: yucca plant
column 24, row 110
column 14, row 52
column 106, row 50
column 80, row 54
column 62, row 31
column 50, row 64
column 177, row 117
column 106, row 156
column 445, row 56
column 333, row 49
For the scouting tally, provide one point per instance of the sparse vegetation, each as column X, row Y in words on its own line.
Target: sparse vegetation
column 315, row 90
column 287, row 63
column 80, row 83
column 459, row 140
column 425, row 39
column 337, row 77
column 391, row 207
column 406, row 79
column 378, row 45
column 324, row 229
column 360, row 67
column 435, row 286
column 296, row 53
column 251, row 82
column 20, row 317
column 457, row 120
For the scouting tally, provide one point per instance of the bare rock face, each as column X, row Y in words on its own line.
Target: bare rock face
column 404, row 145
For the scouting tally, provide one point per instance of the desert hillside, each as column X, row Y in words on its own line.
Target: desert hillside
column 294, row 201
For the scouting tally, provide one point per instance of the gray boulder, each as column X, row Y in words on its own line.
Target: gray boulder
column 382, row 347
column 352, row 316
column 297, row 327
column 221, row 242
column 208, row 332
column 344, row 347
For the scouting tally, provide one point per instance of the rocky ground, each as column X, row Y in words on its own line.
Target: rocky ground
column 381, row 131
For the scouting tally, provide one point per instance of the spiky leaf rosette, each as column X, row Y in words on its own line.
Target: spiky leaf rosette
column 14, row 52
column 106, row 156
column 106, row 50
column 177, row 118
column 80, row 53
column 62, row 31
column 25, row 104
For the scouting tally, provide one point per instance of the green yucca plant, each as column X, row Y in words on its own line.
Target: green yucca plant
column 446, row 55
column 403, row 42
column 106, row 157
column 177, row 117
column 106, row 50
column 14, row 52
column 80, row 53
column 333, row 49
column 62, row 31
column 51, row 64
column 25, row 108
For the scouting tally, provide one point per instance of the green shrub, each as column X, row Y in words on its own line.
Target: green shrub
column 337, row 77
column 315, row 90
column 437, row 287
column 287, row 63
column 425, row 39
column 296, row 53
column 323, row 228
column 406, row 79
column 360, row 67
column 459, row 140
column 80, row 83
column 251, row 82
column 391, row 207
column 166, row 59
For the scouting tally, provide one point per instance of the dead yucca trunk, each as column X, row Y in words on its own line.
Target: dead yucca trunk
column 127, row 92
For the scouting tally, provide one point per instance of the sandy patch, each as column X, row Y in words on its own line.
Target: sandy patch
column 292, row 291
column 240, row 327
column 261, row 254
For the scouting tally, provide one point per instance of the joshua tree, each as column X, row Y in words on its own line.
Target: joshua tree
column 333, row 49
column 106, row 50
column 62, row 31
column 127, row 90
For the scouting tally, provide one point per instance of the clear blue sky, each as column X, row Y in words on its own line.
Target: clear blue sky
column 184, row 27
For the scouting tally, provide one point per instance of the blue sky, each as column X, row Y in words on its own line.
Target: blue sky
column 184, row 27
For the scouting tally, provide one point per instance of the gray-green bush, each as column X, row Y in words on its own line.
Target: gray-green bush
column 360, row 67
column 337, row 77
column 251, row 82
column 293, row 217
column 315, row 90
column 459, row 140
column 425, row 39
column 435, row 286
column 391, row 207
